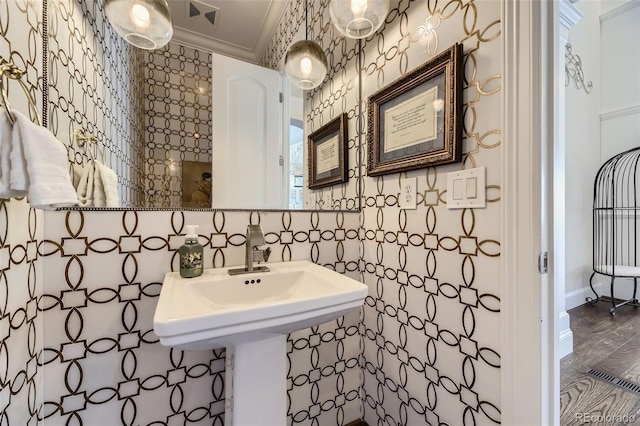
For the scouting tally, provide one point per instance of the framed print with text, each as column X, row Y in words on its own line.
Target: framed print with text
column 327, row 154
column 416, row 121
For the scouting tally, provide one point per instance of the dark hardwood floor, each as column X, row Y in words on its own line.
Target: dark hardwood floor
column 610, row 345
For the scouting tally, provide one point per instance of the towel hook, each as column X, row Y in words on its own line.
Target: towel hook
column 90, row 145
column 11, row 71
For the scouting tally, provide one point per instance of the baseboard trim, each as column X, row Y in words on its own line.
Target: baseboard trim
column 576, row 298
column 566, row 335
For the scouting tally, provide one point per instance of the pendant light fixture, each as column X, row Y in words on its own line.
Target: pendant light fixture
column 358, row 18
column 143, row 23
column 305, row 62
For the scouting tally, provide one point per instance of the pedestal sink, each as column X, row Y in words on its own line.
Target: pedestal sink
column 251, row 315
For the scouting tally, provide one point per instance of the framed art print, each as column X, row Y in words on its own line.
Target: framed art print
column 327, row 154
column 416, row 121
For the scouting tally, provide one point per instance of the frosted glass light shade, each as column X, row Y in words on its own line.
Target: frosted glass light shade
column 306, row 64
column 358, row 18
column 143, row 23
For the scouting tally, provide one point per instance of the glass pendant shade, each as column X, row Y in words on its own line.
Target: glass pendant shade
column 358, row 18
column 143, row 23
column 305, row 64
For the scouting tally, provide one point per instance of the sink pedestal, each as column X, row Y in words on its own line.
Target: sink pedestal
column 256, row 383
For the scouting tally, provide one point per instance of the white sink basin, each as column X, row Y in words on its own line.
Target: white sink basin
column 218, row 310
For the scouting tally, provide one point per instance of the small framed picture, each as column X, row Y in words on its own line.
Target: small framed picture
column 416, row 121
column 196, row 184
column 327, row 154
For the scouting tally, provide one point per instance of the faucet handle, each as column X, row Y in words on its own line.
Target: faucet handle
column 261, row 255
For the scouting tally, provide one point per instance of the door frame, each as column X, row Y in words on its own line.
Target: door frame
column 529, row 335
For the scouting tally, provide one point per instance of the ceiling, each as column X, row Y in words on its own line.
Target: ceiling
column 237, row 28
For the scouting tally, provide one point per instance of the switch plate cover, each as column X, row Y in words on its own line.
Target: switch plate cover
column 466, row 189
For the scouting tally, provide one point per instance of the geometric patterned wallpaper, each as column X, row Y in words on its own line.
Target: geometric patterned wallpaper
column 432, row 319
column 177, row 119
column 101, row 357
column 21, row 230
column 424, row 349
column 96, row 85
column 339, row 94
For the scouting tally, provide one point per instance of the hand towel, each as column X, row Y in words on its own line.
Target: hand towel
column 109, row 180
column 76, row 171
column 6, row 143
column 86, row 186
column 49, row 184
column 19, row 178
column 99, row 196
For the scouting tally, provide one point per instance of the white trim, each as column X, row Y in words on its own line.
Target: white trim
column 623, row 8
column 620, row 112
column 566, row 335
column 569, row 14
column 197, row 41
column 578, row 297
column 527, row 335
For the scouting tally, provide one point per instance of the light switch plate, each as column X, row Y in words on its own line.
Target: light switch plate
column 466, row 189
column 408, row 190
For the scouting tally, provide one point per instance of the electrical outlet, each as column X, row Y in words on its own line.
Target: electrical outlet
column 328, row 200
column 408, row 191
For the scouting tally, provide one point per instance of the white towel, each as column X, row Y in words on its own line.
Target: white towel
column 76, row 171
column 48, row 181
column 19, row 178
column 6, row 142
column 98, row 186
column 109, row 180
column 85, row 187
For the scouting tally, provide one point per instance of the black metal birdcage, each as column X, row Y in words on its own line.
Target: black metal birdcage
column 615, row 224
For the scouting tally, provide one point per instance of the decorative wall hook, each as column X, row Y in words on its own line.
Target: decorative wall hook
column 81, row 139
column 573, row 70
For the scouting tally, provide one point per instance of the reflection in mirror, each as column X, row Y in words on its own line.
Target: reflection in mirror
column 150, row 112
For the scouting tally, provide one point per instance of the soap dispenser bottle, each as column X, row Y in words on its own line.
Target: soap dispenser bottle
column 191, row 254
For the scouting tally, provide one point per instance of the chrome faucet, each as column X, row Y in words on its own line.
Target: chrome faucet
column 255, row 239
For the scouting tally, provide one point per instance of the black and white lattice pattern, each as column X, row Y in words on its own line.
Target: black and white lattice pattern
column 178, row 119
column 339, row 94
column 431, row 320
column 95, row 85
column 423, row 350
column 101, row 356
column 21, row 229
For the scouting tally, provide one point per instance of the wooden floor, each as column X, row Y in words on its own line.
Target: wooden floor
column 610, row 345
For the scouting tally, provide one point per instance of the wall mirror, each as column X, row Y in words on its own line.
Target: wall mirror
column 148, row 114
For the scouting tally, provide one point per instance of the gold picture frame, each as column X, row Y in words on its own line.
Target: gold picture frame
column 416, row 121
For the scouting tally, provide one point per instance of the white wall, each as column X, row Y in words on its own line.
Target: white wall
column 600, row 124
column 620, row 107
column 582, row 149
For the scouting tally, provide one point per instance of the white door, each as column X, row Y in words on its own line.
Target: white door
column 247, row 135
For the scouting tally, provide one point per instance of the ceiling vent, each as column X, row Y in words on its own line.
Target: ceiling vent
column 201, row 13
